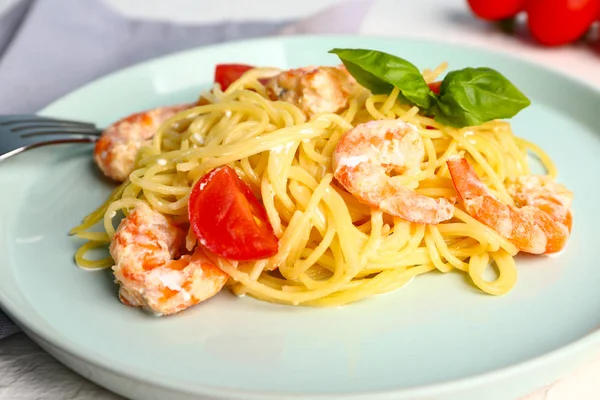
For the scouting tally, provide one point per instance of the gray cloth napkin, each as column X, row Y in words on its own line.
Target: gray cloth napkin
column 7, row 327
column 50, row 47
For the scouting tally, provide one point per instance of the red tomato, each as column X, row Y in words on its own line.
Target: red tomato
column 226, row 74
column 557, row 22
column 228, row 220
column 435, row 86
column 496, row 10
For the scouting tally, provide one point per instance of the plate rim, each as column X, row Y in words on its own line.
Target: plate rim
column 444, row 387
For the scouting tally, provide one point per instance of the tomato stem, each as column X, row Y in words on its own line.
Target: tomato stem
column 507, row 25
column 590, row 35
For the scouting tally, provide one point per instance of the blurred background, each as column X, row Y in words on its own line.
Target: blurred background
column 100, row 36
column 50, row 47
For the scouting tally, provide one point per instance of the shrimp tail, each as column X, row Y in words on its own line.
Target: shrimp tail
column 540, row 224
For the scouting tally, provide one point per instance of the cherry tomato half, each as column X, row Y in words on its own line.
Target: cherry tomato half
column 228, row 219
column 226, row 74
column 435, row 86
column 496, row 10
column 558, row 22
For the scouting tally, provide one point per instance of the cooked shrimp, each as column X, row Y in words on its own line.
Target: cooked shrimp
column 313, row 89
column 118, row 145
column 538, row 223
column 363, row 159
column 146, row 248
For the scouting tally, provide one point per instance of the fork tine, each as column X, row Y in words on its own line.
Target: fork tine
column 43, row 137
column 27, row 131
column 35, row 119
column 23, row 125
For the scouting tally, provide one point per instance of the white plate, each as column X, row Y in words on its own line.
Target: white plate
column 438, row 338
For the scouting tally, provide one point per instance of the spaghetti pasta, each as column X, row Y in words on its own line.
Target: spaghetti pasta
column 333, row 250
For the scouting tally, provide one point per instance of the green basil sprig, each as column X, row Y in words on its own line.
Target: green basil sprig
column 472, row 96
column 381, row 72
column 467, row 97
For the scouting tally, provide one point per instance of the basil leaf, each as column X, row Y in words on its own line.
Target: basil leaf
column 381, row 72
column 472, row 96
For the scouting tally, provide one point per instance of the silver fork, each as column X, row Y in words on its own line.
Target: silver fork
column 23, row 132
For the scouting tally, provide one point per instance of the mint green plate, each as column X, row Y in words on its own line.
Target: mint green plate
column 438, row 338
